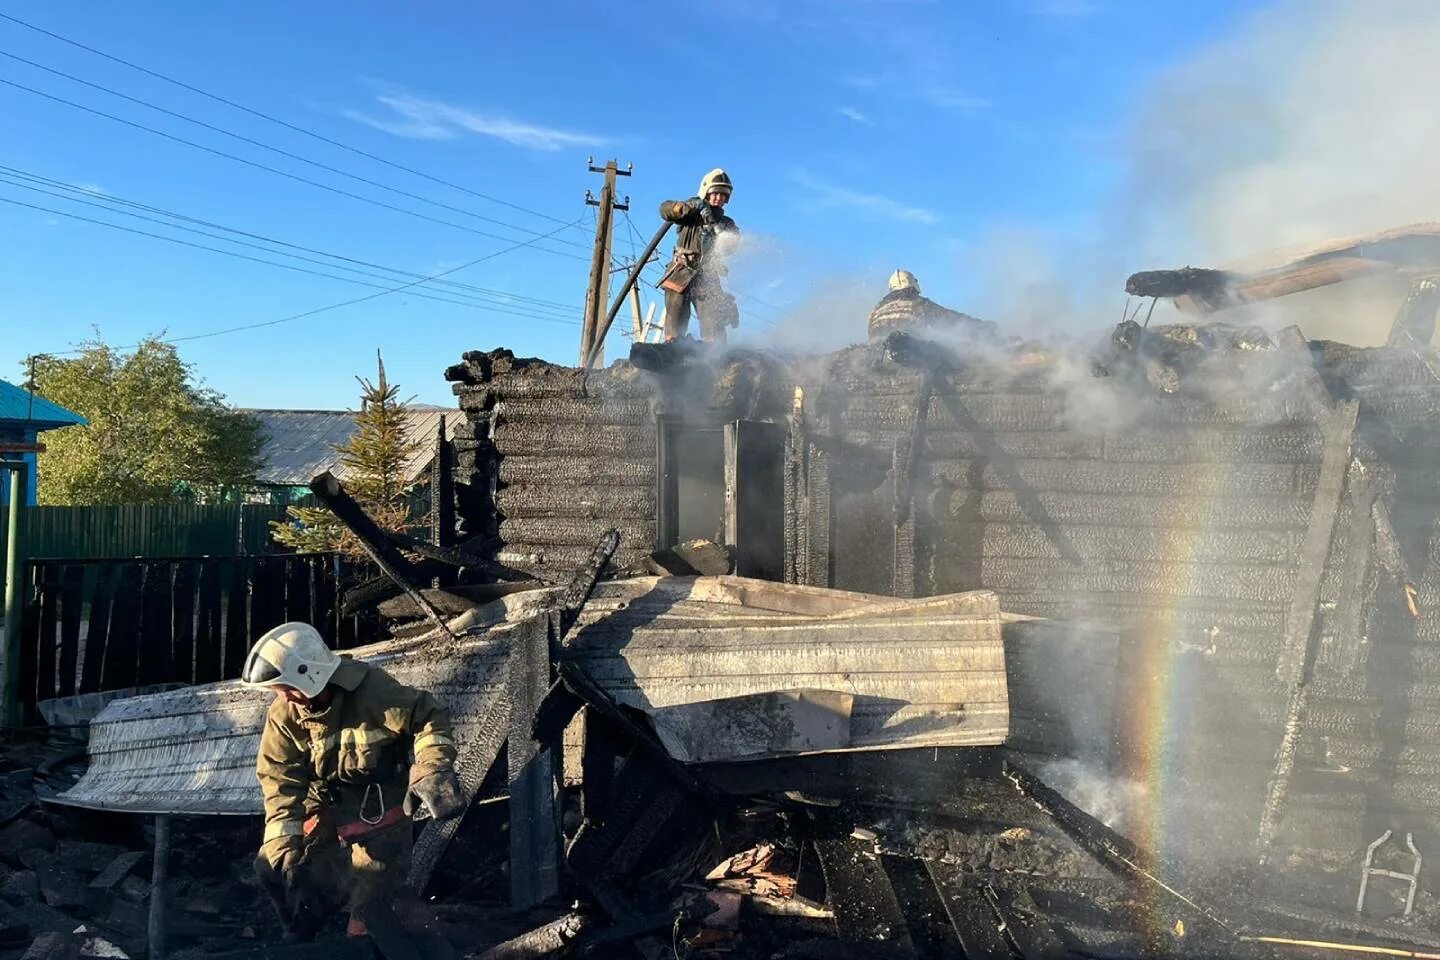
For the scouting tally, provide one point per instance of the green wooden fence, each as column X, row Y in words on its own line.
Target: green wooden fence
column 149, row 530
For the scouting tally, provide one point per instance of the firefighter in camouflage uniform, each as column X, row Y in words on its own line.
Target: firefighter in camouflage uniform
column 705, row 237
column 347, row 756
column 904, row 309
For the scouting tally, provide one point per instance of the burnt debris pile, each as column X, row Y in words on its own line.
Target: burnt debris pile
column 922, row 648
column 1252, row 512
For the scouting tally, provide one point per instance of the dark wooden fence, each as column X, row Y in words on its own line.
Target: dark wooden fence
column 149, row 530
column 106, row 624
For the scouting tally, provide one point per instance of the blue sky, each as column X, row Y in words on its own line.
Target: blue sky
column 862, row 135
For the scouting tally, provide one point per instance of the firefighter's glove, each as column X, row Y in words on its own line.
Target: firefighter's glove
column 438, row 793
column 707, row 213
column 281, row 856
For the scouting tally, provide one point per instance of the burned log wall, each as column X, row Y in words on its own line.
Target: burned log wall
column 1183, row 526
column 1178, row 520
column 549, row 458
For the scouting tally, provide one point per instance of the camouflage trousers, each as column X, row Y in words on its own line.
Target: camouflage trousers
column 716, row 308
column 332, row 877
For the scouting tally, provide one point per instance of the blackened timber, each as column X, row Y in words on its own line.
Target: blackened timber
column 442, row 490
column 1302, row 627
column 1207, row 285
column 582, row 584
column 393, row 940
column 1115, row 851
column 1023, row 925
column 72, row 588
column 474, row 758
column 860, row 895
column 1351, row 608
column 48, row 585
column 583, row 687
column 534, row 822
column 971, row 915
column 454, row 556
column 376, row 544
column 626, row 822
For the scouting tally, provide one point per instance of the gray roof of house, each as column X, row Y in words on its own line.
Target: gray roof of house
column 298, row 444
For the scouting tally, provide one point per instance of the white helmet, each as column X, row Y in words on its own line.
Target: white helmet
column 291, row 655
column 904, row 280
column 716, row 179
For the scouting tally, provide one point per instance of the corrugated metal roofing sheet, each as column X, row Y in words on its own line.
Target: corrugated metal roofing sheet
column 931, row 675
column 19, row 404
column 298, row 444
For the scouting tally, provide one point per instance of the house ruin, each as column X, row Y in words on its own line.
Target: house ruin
column 1253, row 513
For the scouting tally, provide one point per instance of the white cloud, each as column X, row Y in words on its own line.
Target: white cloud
column 829, row 195
column 422, row 119
column 866, row 81
column 948, row 98
column 855, row 115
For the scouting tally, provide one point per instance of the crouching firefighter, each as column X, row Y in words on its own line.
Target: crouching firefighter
column 347, row 756
column 706, row 236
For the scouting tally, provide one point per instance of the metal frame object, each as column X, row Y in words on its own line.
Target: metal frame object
column 1368, row 871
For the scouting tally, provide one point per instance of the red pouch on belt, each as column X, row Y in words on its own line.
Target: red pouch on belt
column 360, row 829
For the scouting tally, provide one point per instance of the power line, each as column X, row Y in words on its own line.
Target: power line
column 279, row 172
column 471, row 299
column 272, row 263
column 105, row 198
column 370, row 296
column 286, row 124
column 273, row 149
column 344, row 303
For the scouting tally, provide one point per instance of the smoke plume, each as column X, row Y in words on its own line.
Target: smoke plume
column 1312, row 121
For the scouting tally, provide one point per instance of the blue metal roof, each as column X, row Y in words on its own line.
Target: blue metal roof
column 18, row 405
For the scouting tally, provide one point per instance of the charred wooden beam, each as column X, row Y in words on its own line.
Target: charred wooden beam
column 971, row 914
column 474, row 758
column 670, row 357
column 582, row 584
column 377, row 545
column 390, row 937
column 534, row 820
column 1207, row 286
column 860, row 895
column 1414, row 323
column 442, row 489
column 1302, row 625
column 456, row 600
column 1115, row 851
column 549, row 940
column 1199, row 290
column 457, row 556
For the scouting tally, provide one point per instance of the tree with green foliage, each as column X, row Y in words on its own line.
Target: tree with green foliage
column 156, row 432
column 374, row 460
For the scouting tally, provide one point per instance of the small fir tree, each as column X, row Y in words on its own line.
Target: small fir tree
column 374, row 458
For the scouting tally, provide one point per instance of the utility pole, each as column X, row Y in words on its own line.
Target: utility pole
column 598, row 296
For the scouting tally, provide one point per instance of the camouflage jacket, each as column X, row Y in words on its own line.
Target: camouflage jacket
column 697, row 232
column 323, row 761
column 908, row 310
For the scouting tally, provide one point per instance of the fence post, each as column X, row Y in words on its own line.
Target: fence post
column 15, row 576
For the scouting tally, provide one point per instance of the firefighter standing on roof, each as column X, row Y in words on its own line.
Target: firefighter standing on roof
column 706, row 235
column 338, row 777
column 904, row 309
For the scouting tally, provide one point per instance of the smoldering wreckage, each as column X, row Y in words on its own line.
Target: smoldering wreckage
column 923, row 648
